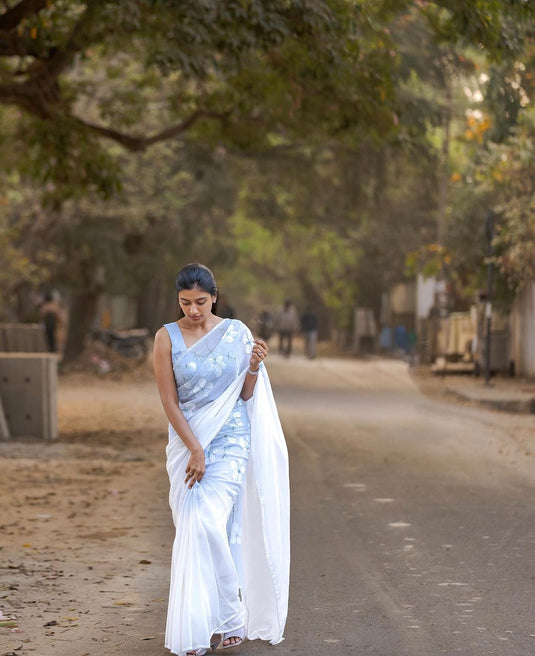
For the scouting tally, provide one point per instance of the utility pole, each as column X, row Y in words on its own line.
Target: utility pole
column 488, row 309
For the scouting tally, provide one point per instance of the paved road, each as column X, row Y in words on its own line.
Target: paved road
column 413, row 520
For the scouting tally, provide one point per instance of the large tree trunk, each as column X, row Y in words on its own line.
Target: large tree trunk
column 82, row 312
column 156, row 305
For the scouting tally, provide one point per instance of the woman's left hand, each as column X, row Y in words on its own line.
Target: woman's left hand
column 259, row 353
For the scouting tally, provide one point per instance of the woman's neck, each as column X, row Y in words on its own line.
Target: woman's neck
column 199, row 327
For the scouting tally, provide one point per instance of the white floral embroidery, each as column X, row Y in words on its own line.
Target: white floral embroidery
column 202, row 389
column 213, row 454
column 248, row 342
column 237, row 470
column 235, row 533
column 192, row 365
column 237, row 420
column 216, row 365
column 230, row 335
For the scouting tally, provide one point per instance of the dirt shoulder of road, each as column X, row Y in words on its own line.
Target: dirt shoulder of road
column 434, row 386
column 512, row 395
column 85, row 525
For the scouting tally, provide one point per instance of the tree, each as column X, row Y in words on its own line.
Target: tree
column 252, row 67
column 494, row 171
column 84, row 84
column 308, row 66
column 173, row 208
column 505, row 179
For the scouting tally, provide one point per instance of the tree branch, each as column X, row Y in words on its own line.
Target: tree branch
column 40, row 93
column 21, row 95
column 11, row 18
column 79, row 38
column 11, row 45
column 31, row 97
column 136, row 144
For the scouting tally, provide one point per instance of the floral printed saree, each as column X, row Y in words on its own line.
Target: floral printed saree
column 231, row 554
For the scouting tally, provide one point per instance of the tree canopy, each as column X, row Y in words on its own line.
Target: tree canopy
column 238, row 71
column 317, row 141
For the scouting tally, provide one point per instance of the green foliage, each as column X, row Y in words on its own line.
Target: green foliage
column 172, row 209
column 431, row 260
column 16, row 269
column 22, row 265
column 66, row 161
column 510, row 167
column 140, row 72
column 300, row 141
column 330, row 226
column 501, row 179
column 309, row 263
column 498, row 26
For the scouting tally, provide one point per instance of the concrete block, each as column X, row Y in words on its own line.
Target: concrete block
column 28, row 388
column 22, row 338
column 4, row 428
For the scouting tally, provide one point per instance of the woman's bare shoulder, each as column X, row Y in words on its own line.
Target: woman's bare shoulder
column 162, row 337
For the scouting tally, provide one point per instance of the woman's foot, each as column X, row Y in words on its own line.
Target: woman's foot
column 233, row 638
column 197, row 652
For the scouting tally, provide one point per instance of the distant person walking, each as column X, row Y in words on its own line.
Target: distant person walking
column 309, row 328
column 288, row 327
column 51, row 314
column 265, row 324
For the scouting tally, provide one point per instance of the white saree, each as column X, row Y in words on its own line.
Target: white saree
column 231, row 554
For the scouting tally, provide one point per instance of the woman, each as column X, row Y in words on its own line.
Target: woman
column 228, row 470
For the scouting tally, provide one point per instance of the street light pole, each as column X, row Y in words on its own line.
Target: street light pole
column 488, row 309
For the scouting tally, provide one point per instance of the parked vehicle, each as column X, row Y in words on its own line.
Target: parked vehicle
column 129, row 343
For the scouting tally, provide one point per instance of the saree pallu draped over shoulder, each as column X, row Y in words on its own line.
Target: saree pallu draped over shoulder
column 231, row 554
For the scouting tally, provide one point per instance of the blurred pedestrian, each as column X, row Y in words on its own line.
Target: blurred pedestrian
column 309, row 328
column 51, row 314
column 288, row 326
column 265, row 324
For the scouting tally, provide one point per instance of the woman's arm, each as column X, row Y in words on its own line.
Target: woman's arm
column 165, row 379
column 259, row 353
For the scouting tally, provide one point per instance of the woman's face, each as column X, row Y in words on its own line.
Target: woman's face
column 196, row 304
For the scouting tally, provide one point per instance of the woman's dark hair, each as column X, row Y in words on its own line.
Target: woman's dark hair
column 196, row 276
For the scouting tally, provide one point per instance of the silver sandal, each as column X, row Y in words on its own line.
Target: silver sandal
column 239, row 634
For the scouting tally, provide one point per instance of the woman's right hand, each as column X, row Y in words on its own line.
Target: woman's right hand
column 195, row 469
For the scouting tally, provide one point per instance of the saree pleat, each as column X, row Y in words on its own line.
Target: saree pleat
column 230, row 558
